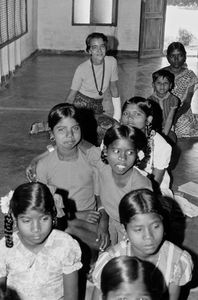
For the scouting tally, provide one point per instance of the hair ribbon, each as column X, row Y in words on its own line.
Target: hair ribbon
column 5, row 202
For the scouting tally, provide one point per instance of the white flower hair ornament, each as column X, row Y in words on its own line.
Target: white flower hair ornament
column 5, row 202
column 141, row 155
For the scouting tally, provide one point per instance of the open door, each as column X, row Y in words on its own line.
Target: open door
column 153, row 14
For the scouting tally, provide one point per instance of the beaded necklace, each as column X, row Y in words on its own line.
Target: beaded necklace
column 94, row 75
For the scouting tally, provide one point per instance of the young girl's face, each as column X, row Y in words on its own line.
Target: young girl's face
column 34, row 227
column 176, row 59
column 130, row 291
column 134, row 116
column 161, row 86
column 121, row 156
column 145, row 232
column 67, row 133
column 97, row 50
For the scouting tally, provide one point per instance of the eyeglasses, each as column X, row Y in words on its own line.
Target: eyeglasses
column 97, row 48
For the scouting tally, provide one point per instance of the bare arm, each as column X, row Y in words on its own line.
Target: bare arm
column 114, row 88
column 115, row 100
column 158, row 175
column 184, row 107
column 31, row 169
column 71, row 96
column 194, row 102
column 103, row 230
column 96, row 294
column 70, row 285
column 85, row 231
column 174, row 291
column 169, row 120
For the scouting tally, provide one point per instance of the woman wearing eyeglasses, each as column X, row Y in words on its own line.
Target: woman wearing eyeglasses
column 92, row 78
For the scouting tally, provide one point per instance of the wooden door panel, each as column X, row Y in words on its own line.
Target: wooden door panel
column 152, row 28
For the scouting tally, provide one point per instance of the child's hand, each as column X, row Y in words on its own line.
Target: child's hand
column 174, row 107
column 90, row 216
column 103, row 238
column 31, row 172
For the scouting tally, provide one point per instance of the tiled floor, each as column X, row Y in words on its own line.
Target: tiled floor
column 44, row 81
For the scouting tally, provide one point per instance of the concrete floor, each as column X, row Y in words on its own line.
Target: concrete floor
column 44, row 81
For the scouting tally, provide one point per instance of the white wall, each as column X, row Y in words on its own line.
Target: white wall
column 29, row 40
column 55, row 31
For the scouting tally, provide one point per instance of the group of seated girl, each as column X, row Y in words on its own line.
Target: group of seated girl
column 130, row 152
column 40, row 262
column 120, row 167
column 87, row 184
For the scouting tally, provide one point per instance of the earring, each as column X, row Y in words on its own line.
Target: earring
column 54, row 222
column 148, row 128
column 125, row 235
column 52, row 139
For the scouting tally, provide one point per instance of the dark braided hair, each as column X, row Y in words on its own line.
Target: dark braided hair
column 8, row 228
column 33, row 195
column 116, row 132
column 144, row 201
column 148, row 108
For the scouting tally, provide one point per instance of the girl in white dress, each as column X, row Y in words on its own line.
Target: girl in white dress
column 36, row 260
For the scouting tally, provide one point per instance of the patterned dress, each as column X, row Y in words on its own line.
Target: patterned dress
column 174, row 263
column 40, row 276
column 88, row 99
column 186, row 83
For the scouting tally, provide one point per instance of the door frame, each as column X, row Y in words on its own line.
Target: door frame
column 143, row 18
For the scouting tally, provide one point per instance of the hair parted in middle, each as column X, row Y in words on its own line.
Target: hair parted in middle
column 129, row 270
column 33, row 195
column 63, row 110
column 116, row 132
column 30, row 195
column 140, row 201
column 119, row 270
column 143, row 103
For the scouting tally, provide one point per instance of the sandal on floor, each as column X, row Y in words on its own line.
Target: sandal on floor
column 38, row 127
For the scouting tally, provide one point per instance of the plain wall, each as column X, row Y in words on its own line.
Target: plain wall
column 29, row 40
column 55, row 31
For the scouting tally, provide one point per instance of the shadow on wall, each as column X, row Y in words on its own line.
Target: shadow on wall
column 112, row 48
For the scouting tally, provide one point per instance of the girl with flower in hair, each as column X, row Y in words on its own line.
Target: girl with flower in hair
column 37, row 261
column 118, row 173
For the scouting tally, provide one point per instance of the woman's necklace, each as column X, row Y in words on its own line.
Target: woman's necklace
column 94, row 75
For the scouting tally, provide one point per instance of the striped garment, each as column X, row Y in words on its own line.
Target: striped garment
column 174, row 263
column 166, row 104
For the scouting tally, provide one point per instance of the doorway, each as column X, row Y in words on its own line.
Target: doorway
column 181, row 25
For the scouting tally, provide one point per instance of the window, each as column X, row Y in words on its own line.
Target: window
column 94, row 12
column 13, row 20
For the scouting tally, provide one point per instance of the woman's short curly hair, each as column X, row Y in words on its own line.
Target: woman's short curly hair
column 95, row 35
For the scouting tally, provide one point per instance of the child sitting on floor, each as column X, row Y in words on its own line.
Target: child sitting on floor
column 145, row 222
column 37, row 261
column 163, row 83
